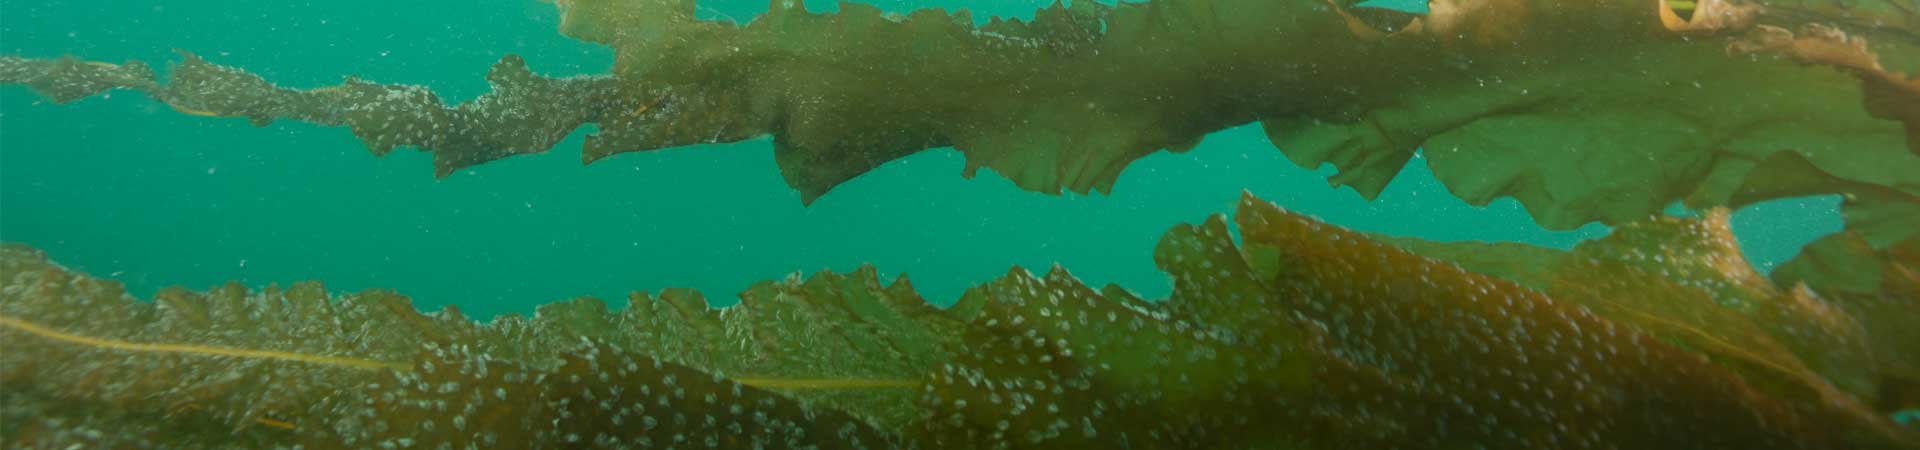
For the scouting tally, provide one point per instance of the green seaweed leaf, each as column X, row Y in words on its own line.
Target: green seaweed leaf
column 1305, row 336
column 1583, row 111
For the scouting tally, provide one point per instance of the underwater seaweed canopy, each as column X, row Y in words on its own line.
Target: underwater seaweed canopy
column 1582, row 110
column 843, row 341
column 597, row 397
column 208, row 378
column 1306, row 336
column 85, row 366
column 522, row 112
column 1684, row 282
column 1512, row 366
column 1881, row 289
column 1055, row 364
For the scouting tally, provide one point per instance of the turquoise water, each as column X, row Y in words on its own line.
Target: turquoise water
column 124, row 187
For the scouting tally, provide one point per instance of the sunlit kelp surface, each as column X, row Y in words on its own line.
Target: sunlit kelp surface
column 1583, row 110
column 1305, row 336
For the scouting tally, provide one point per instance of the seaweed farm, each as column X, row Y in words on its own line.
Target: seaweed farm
column 1623, row 301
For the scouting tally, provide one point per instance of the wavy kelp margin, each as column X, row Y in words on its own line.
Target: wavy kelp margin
column 1307, row 336
column 1583, row 110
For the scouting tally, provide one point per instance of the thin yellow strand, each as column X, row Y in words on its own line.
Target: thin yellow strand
column 357, row 363
column 337, row 361
column 192, row 111
column 276, row 423
column 854, row 383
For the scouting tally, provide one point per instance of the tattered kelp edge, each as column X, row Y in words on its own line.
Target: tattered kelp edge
column 1304, row 335
column 1589, row 110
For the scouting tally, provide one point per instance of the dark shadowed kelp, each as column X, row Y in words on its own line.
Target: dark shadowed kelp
column 1583, row 110
column 1306, row 336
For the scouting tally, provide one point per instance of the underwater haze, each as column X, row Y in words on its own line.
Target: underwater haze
column 970, row 225
column 122, row 187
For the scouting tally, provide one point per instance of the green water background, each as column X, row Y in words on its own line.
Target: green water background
column 126, row 188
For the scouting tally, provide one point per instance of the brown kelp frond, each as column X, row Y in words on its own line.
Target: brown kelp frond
column 1404, row 312
column 1881, row 289
column 1306, row 336
column 1884, row 216
column 357, row 363
column 523, row 112
column 1684, row 281
column 241, row 353
column 231, row 369
column 1890, row 94
column 1582, row 110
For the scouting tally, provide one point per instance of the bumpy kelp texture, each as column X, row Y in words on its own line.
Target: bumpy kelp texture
column 1304, row 336
column 1878, row 287
column 1583, row 110
column 1684, row 282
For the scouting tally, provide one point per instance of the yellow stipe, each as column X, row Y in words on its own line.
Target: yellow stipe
column 787, row 383
column 266, row 421
column 281, row 424
column 49, row 333
column 357, row 363
column 191, row 111
column 644, row 107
